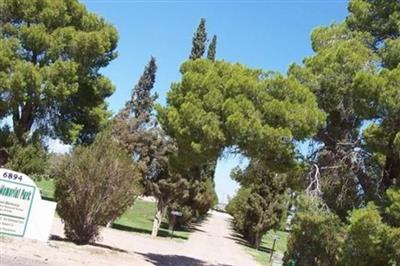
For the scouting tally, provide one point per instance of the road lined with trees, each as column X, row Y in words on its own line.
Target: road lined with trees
column 343, row 100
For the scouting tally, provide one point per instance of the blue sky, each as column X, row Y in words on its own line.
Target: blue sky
column 268, row 34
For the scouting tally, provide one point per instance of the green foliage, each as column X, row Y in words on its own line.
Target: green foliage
column 135, row 128
column 380, row 18
column 187, row 217
column 354, row 75
column 54, row 162
column 168, row 187
column 369, row 241
column 30, row 158
column 203, row 197
column 94, row 186
column 139, row 218
column 393, row 244
column 237, row 202
column 254, row 216
column 316, row 235
column 263, row 253
column 194, row 201
column 199, row 41
column 51, row 53
column 219, row 104
column 212, row 49
column 46, row 186
column 260, row 204
column 392, row 209
column 142, row 100
column 382, row 139
column 363, row 240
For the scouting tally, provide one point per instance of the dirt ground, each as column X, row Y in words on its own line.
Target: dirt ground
column 211, row 244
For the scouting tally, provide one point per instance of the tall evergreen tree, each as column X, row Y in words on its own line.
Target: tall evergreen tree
column 199, row 41
column 212, row 49
column 142, row 100
column 134, row 126
column 136, row 129
column 381, row 20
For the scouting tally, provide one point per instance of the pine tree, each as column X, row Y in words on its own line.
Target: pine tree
column 52, row 54
column 135, row 128
column 199, row 41
column 141, row 103
column 212, row 49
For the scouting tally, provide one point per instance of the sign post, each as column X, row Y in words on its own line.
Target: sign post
column 172, row 225
column 273, row 247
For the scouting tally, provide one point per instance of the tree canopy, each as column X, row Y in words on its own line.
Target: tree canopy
column 219, row 104
column 354, row 74
column 50, row 56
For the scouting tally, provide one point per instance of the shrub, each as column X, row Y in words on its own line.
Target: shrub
column 254, row 215
column 200, row 197
column 262, row 202
column 319, row 238
column 316, row 235
column 204, row 198
column 369, row 241
column 393, row 243
column 95, row 185
column 30, row 159
column 393, row 207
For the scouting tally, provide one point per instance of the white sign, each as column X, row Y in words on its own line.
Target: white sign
column 176, row 213
column 23, row 213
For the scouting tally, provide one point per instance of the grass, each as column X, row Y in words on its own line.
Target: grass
column 46, row 187
column 263, row 254
column 138, row 218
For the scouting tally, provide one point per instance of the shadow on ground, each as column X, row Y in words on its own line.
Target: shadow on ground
column 164, row 230
column 175, row 260
column 62, row 239
column 238, row 238
column 241, row 241
column 161, row 233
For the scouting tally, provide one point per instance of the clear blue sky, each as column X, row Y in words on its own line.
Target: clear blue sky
column 268, row 34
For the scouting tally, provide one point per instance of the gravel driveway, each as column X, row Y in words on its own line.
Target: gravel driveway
column 210, row 244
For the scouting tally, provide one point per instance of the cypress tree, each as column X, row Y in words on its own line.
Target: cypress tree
column 135, row 128
column 212, row 49
column 199, row 41
column 142, row 101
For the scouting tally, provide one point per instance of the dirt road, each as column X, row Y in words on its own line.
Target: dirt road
column 211, row 244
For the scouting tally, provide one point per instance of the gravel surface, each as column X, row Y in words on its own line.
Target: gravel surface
column 211, row 244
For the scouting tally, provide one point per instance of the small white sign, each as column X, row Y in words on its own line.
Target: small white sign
column 23, row 213
column 176, row 213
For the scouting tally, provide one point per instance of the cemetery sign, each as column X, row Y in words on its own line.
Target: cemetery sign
column 23, row 213
column 15, row 203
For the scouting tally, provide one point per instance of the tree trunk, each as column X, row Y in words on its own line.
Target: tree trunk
column 23, row 121
column 391, row 171
column 257, row 240
column 3, row 156
column 109, row 224
column 157, row 218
